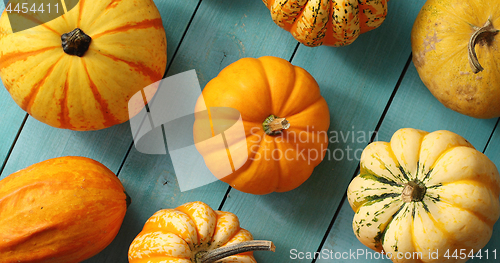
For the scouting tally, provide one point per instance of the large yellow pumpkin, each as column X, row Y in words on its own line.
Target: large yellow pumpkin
column 425, row 197
column 456, row 50
column 330, row 22
column 58, row 77
column 194, row 233
column 62, row 210
column 285, row 122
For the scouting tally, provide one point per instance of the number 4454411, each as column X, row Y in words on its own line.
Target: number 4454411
column 461, row 253
column 26, row 8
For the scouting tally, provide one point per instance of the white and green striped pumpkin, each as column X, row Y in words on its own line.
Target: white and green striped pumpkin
column 423, row 193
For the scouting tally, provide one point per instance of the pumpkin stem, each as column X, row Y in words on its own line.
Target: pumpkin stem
column 75, row 42
column 274, row 125
column 481, row 34
column 414, row 191
column 223, row 252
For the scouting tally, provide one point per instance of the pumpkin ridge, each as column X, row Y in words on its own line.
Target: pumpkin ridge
column 147, row 23
column 436, row 224
column 440, row 226
column 112, row 4
column 218, row 213
column 149, row 226
column 38, row 22
column 413, row 239
column 448, row 11
column 268, row 84
column 344, row 33
column 370, row 15
column 372, row 199
column 302, row 29
column 479, row 217
column 481, row 183
column 8, row 59
column 314, row 25
column 64, row 114
column 29, row 100
column 235, row 176
column 104, row 11
column 387, row 168
column 403, row 172
column 370, row 175
column 292, row 98
column 279, row 174
column 109, row 119
column 139, row 67
column 380, row 238
column 79, row 19
column 289, row 14
column 419, row 143
column 198, row 235
column 296, row 111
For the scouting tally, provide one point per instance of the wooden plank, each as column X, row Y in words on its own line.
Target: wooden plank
column 224, row 31
column 357, row 82
column 412, row 107
column 175, row 17
column 12, row 118
column 38, row 142
column 221, row 33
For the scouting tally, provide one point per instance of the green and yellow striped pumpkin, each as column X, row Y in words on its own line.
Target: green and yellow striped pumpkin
column 424, row 192
column 330, row 22
column 50, row 73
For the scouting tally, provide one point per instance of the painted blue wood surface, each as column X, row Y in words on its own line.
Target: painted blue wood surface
column 357, row 81
column 11, row 119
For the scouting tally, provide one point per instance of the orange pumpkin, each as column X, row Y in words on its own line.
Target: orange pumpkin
column 65, row 209
column 55, row 74
column 285, row 122
column 331, row 23
column 194, row 233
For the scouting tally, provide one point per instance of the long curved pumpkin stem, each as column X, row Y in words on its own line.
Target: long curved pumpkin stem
column 247, row 246
column 480, row 34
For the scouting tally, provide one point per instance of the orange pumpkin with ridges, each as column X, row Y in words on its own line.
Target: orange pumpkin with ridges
column 285, row 121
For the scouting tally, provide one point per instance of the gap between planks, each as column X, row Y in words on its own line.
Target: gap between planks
column 13, row 144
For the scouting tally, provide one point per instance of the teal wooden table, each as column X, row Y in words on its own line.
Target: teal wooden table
column 371, row 87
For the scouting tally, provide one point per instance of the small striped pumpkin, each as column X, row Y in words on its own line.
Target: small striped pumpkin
column 194, row 233
column 330, row 22
column 58, row 77
column 423, row 194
